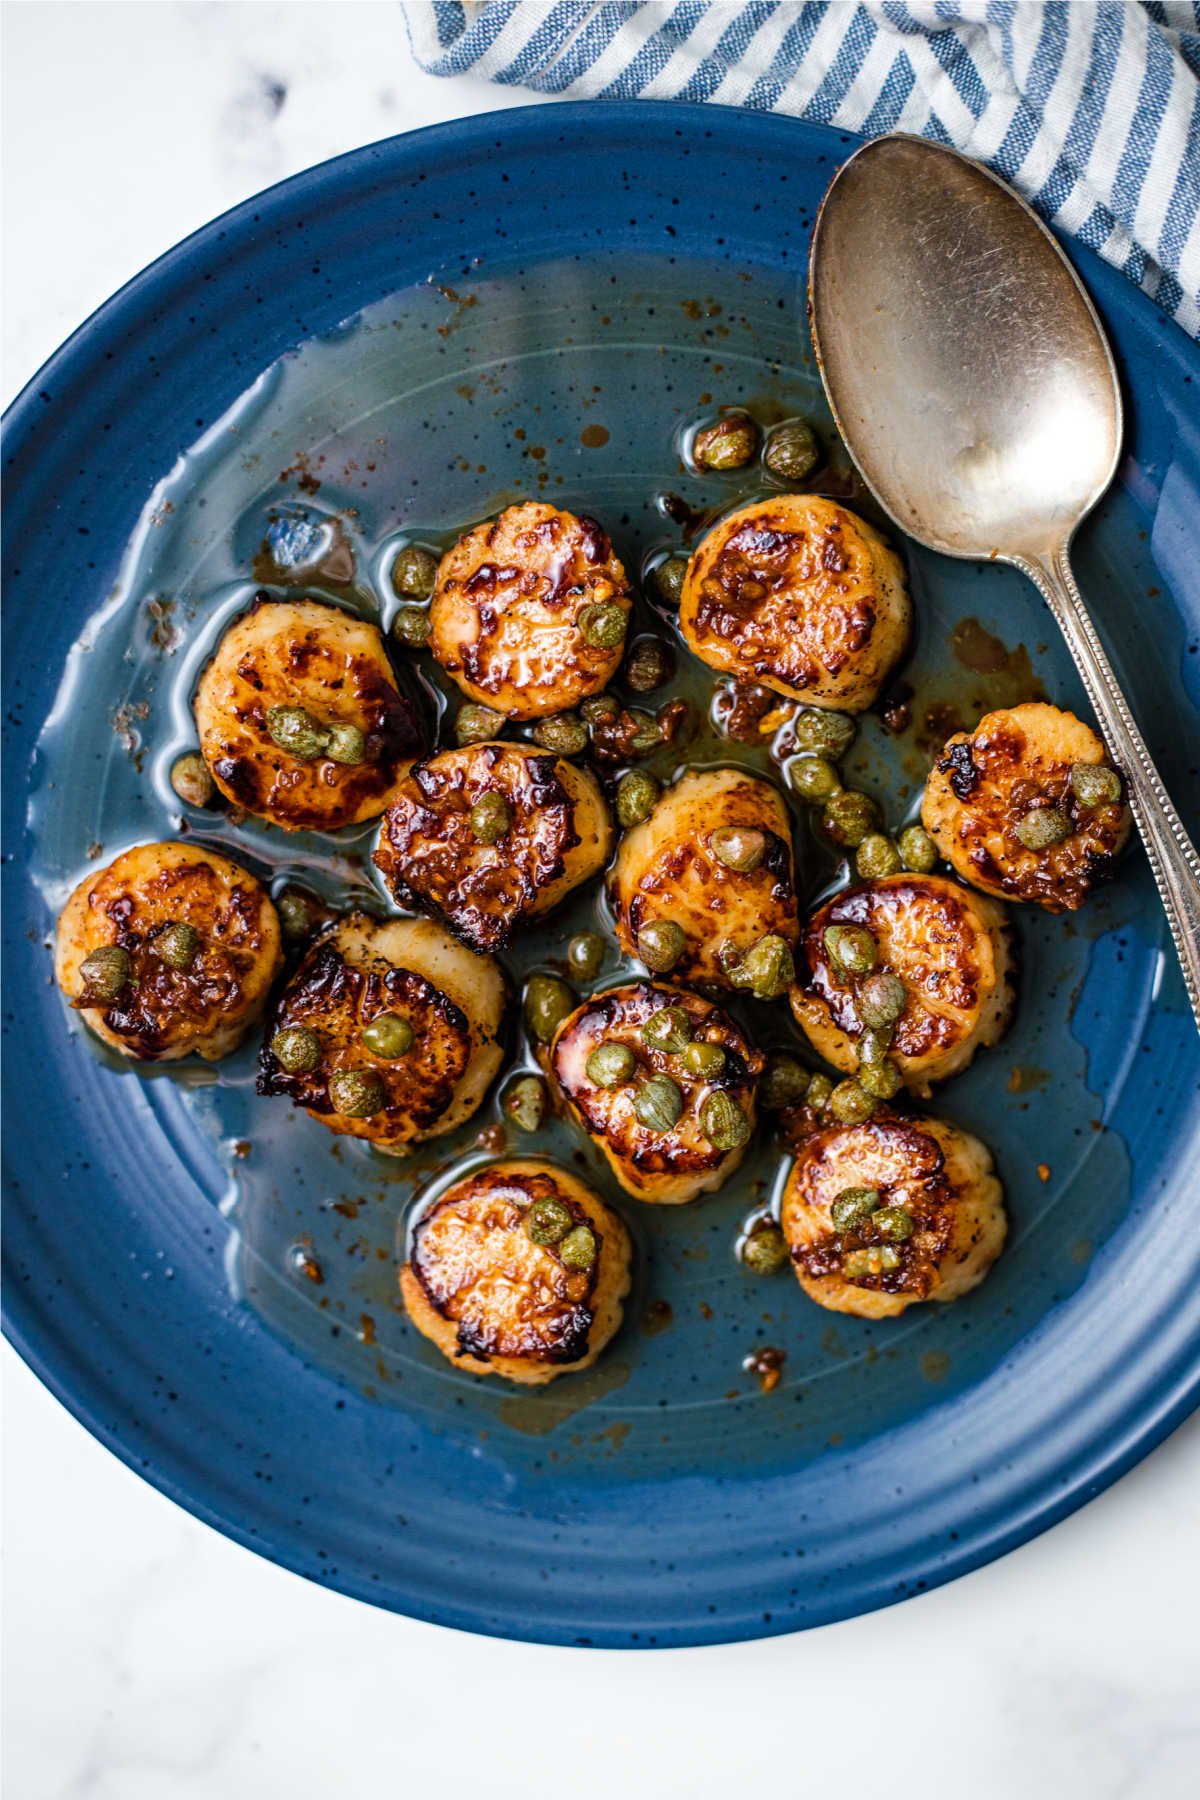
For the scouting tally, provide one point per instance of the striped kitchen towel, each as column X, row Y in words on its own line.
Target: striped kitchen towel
column 1090, row 108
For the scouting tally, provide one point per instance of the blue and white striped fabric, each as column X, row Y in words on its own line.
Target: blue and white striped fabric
column 1091, row 108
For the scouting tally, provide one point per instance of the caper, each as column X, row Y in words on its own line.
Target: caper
column 1044, row 826
column 298, row 913
column 876, row 856
column 765, row 1251
column 648, row 665
column 636, row 796
column 585, row 953
column 297, row 732
column 577, row 1251
column 602, row 625
column 356, row 1093
column 729, row 957
column 820, row 1092
column 895, row 1222
column 600, row 706
column 814, row 778
column 1095, row 784
column 660, row 944
column 874, row 1044
column 490, row 818
column 850, row 1104
column 296, row 1049
column 388, row 1035
column 106, row 971
column 476, row 724
column 177, row 944
column 881, row 1080
column 871, row 1259
column 852, row 948
column 646, row 736
column 191, row 780
column 414, row 573
column 564, row 733
column 658, row 1104
column 704, row 1061
column 783, row 1082
column 918, row 851
column 739, row 847
column 347, row 744
column 852, row 1206
column 767, row 969
column 823, row 733
column 723, row 1122
column 547, row 1003
column 730, row 443
column 850, row 817
column 547, row 1221
column 792, row 450
column 610, row 1064
column 881, row 999
column 669, row 578
column 525, row 1102
column 411, row 625
column 668, row 1029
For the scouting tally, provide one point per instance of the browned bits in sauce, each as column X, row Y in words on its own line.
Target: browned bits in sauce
column 766, row 1366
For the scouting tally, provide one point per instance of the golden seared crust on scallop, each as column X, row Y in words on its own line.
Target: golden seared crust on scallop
column 452, row 998
column 937, row 1176
column 988, row 781
column 667, row 869
column 558, row 833
column 506, row 610
column 802, row 595
column 498, row 1303
column 663, row 1167
column 331, row 665
column 164, row 1012
column 952, row 950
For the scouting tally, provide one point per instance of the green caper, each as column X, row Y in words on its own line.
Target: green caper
column 297, row 914
column 850, row 817
column 525, row 1103
column 894, row 1222
column 648, row 665
column 814, row 778
column 739, row 847
column 669, row 578
column 178, row 944
column 918, row 851
column 820, row 1092
column 658, row 1104
column 1044, row 826
column 490, row 818
column 1095, row 784
column 792, row 451
column 609, row 1065
column 585, row 953
column 577, row 1251
column 297, row 732
column 600, row 706
column 547, row 1003
column 730, row 443
column 296, row 1049
column 852, row 948
column 388, row 1036
column 411, row 625
column 356, row 1093
column 547, row 1221
column 723, row 1122
column 347, row 744
column 106, row 971
column 477, row 724
column 783, row 1082
column 850, row 1104
column 876, row 856
column 637, row 793
column 874, row 1044
column 414, row 573
column 765, row 1251
column 881, row 999
column 767, row 969
column 565, row 734
column 660, row 944
column 191, row 780
column 647, row 735
column 871, row 1259
column 823, row 733
column 852, row 1206
column 668, row 1029
column 704, row 1061
column 881, row 1080
column 602, row 625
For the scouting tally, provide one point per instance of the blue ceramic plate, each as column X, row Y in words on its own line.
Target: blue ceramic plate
column 403, row 340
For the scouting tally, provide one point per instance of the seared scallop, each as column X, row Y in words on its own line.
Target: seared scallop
column 915, row 963
column 889, row 1212
column 1028, row 806
column 665, row 1083
column 170, row 950
column 801, row 595
column 704, row 886
column 529, row 613
column 388, row 1030
column 518, row 1270
column 299, row 716
column 491, row 835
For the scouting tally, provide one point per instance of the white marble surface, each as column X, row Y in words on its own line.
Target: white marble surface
column 148, row 1659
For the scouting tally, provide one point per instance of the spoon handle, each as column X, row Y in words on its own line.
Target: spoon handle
column 1172, row 855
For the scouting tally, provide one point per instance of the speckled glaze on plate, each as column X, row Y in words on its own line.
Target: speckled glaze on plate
column 662, row 1499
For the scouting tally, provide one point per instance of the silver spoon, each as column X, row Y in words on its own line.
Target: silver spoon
column 974, row 387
